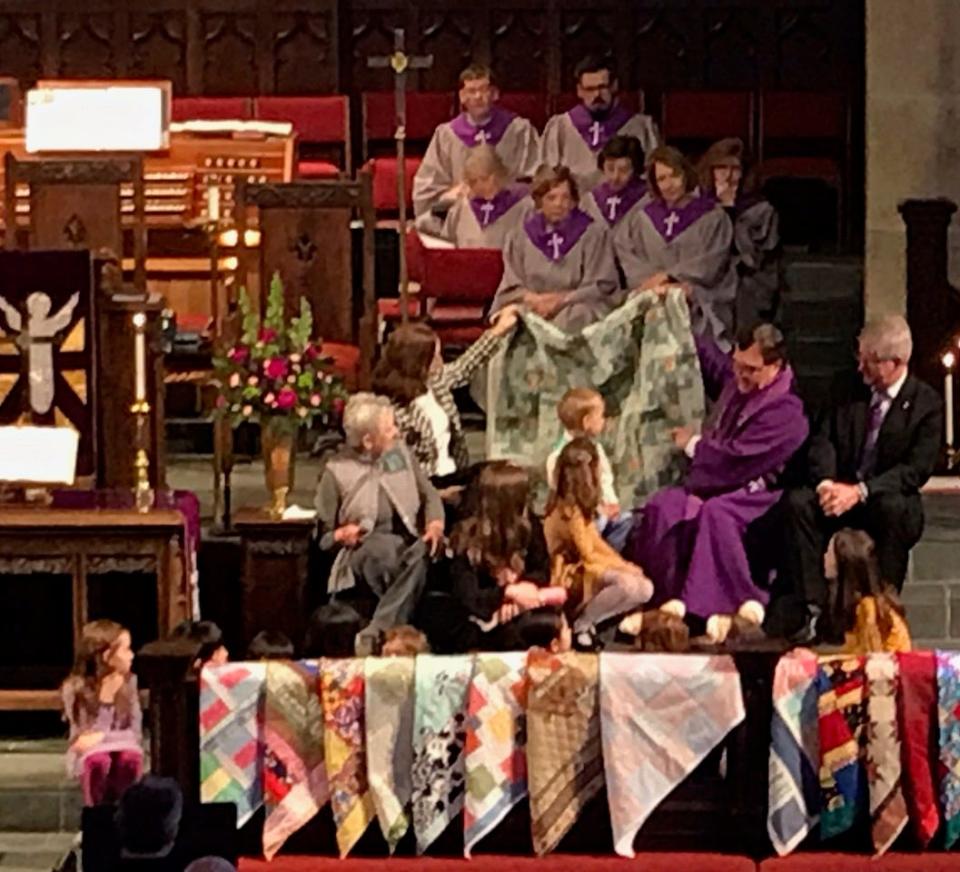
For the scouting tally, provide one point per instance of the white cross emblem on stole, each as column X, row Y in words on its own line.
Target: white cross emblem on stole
column 481, row 136
column 555, row 241
column 486, row 208
column 612, row 203
column 595, row 133
column 671, row 221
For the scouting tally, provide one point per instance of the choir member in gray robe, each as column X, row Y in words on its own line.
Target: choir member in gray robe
column 438, row 180
column 690, row 540
column 379, row 515
column 560, row 263
column 679, row 237
column 575, row 138
column 624, row 187
column 724, row 175
column 489, row 210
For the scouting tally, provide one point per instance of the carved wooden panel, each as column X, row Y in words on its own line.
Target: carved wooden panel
column 158, row 46
column 305, row 52
column 810, row 49
column 20, row 46
column 371, row 33
column 86, row 46
column 448, row 36
column 589, row 30
column 518, row 48
column 662, row 57
column 229, row 53
column 731, row 48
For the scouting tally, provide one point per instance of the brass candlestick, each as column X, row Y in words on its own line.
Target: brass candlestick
column 142, row 492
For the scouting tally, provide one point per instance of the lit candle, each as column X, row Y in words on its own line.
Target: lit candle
column 213, row 202
column 140, row 355
column 948, row 359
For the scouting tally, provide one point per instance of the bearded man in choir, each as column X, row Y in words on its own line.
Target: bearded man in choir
column 725, row 176
column 559, row 264
column 575, row 138
column 678, row 237
column 439, row 180
column 490, row 208
column 624, row 184
column 690, row 540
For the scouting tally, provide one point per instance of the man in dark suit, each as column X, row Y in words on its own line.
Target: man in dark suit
column 869, row 455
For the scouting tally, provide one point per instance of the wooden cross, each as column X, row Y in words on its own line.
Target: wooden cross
column 400, row 62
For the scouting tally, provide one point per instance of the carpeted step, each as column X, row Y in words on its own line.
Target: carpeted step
column 824, row 862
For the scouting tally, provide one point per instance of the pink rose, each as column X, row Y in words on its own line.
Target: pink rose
column 286, row 398
column 269, row 398
column 235, row 379
column 238, row 354
column 252, row 381
column 275, row 368
column 267, row 334
column 315, row 400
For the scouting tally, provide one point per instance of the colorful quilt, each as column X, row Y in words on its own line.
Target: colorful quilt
column 496, row 761
column 794, row 793
column 948, row 695
column 343, row 735
column 661, row 714
column 230, row 736
column 641, row 358
column 439, row 736
column 563, row 742
column 918, row 718
column 294, row 776
column 389, row 725
column 888, row 808
column 842, row 706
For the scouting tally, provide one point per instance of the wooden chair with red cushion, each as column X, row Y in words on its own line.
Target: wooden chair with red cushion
column 457, row 289
column 322, row 125
column 693, row 120
column 211, row 108
column 390, row 309
column 806, row 135
column 425, row 111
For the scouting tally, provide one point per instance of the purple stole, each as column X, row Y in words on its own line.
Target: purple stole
column 597, row 133
column 555, row 242
column 733, row 408
column 488, row 133
column 487, row 212
column 670, row 222
column 613, row 205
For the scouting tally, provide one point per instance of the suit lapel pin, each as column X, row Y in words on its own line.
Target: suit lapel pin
column 906, row 405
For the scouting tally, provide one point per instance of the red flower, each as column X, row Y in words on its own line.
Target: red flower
column 238, row 354
column 286, row 398
column 267, row 334
column 275, row 368
column 311, row 352
column 337, row 406
column 221, row 402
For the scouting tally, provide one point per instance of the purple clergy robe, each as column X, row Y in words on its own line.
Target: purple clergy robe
column 690, row 540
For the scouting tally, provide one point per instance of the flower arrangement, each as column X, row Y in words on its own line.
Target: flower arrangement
column 275, row 374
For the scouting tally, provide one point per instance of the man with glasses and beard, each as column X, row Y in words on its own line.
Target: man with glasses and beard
column 873, row 449
column 690, row 540
column 575, row 138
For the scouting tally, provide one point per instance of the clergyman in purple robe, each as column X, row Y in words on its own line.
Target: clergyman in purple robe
column 690, row 540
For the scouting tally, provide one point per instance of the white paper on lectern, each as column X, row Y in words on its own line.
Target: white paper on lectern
column 111, row 118
column 38, row 455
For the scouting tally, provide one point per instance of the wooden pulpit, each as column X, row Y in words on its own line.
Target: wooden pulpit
column 305, row 236
column 82, row 203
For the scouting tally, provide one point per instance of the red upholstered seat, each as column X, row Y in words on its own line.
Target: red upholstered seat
column 346, row 361
column 652, row 862
column 317, row 121
column 390, row 308
column 533, row 106
column 701, row 117
column 415, row 255
column 384, row 173
column 425, row 110
column 317, row 169
column 211, row 108
column 799, row 167
column 458, row 286
column 822, row 862
column 193, row 322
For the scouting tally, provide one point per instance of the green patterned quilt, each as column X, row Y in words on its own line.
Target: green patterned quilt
column 641, row 358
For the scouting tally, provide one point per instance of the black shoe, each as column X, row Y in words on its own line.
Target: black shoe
column 586, row 640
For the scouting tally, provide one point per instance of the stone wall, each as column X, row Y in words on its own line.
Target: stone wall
column 913, row 115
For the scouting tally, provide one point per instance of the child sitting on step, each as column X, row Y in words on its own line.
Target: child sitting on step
column 581, row 561
column 101, row 704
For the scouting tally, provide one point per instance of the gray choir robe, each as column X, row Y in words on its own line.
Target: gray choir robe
column 563, row 144
column 588, row 269
column 442, row 165
column 756, row 239
column 699, row 255
column 462, row 228
column 618, row 230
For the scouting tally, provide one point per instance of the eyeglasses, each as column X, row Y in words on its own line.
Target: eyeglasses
column 596, row 89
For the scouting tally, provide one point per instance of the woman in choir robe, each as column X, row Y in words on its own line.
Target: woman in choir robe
column 491, row 208
column 623, row 187
column 678, row 237
column 560, row 263
column 756, row 236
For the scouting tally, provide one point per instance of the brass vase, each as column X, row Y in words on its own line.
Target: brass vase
column 279, row 464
